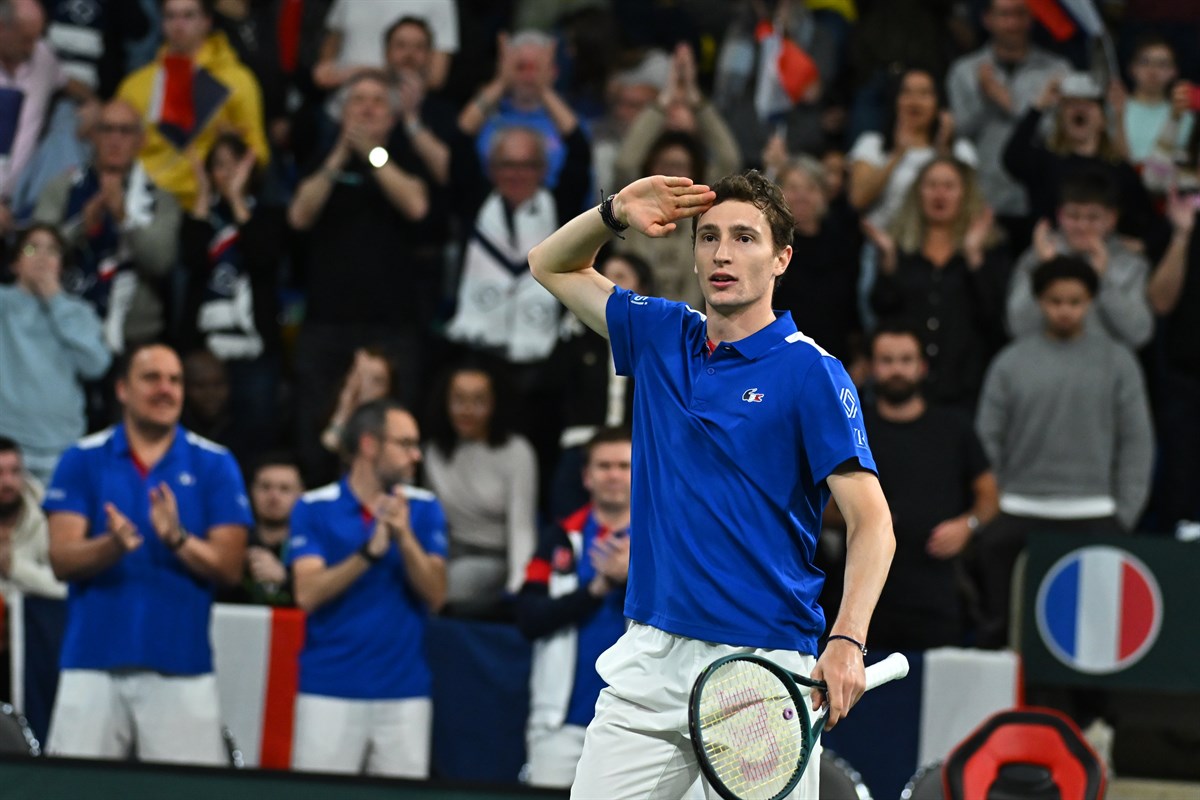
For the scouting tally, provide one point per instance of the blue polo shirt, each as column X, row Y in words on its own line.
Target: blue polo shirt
column 368, row 643
column 730, row 455
column 148, row 610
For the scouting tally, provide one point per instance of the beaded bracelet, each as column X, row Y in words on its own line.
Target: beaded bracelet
column 862, row 647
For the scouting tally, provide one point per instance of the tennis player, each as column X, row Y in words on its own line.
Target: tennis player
column 742, row 429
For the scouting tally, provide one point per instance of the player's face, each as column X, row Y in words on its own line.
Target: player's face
column 736, row 260
column 152, row 394
column 1064, row 303
column 897, row 367
column 11, row 479
column 607, row 475
column 941, row 194
column 399, row 451
column 470, row 403
column 275, row 490
column 184, row 25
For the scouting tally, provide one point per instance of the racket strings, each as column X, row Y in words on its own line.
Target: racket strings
column 752, row 730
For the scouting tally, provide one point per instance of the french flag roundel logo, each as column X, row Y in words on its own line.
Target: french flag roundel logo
column 1099, row 609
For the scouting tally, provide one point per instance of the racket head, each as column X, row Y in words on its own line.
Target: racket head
column 750, row 728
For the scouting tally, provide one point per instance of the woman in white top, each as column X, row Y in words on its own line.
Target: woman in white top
column 884, row 164
column 485, row 477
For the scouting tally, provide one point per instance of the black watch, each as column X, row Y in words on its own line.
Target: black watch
column 365, row 552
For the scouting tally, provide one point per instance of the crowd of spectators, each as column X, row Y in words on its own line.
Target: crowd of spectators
column 325, row 207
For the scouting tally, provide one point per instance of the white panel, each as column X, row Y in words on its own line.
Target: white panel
column 960, row 689
column 241, row 639
column 1097, row 614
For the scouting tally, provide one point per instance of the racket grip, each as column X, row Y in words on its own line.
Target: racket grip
column 892, row 668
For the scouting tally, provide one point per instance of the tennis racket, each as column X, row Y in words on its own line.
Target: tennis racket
column 750, row 723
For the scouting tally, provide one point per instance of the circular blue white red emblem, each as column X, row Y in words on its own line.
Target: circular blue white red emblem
column 1099, row 609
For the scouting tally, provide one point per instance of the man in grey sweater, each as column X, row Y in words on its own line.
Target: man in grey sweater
column 1065, row 421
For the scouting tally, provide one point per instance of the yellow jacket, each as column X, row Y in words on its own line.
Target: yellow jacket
column 241, row 112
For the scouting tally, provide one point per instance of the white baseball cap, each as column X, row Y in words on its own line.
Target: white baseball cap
column 1082, row 85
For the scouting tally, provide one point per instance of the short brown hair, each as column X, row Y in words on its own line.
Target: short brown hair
column 753, row 187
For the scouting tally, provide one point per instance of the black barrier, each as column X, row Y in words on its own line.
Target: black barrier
column 55, row 778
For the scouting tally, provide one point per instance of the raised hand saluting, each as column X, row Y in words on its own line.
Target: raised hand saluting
column 653, row 205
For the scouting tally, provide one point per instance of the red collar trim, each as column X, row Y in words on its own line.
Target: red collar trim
column 139, row 465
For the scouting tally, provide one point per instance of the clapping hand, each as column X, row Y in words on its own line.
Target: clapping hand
column 121, row 529
column 164, row 515
column 393, row 512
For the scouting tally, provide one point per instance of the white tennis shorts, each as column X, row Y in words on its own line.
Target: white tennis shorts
column 637, row 747
column 155, row 717
column 378, row 737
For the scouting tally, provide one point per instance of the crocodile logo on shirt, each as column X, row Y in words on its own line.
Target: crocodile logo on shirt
column 752, row 395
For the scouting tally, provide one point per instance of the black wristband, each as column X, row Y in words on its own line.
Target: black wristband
column 862, row 647
column 365, row 552
column 610, row 219
column 180, row 542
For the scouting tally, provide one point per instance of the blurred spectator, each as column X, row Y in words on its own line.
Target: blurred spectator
column 193, row 91
column 1174, row 292
column 24, row 548
column 145, row 517
column 1149, row 114
column 50, row 341
column 24, row 540
column 368, row 561
column 887, row 36
column 1065, row 422
column 943, row 273
column 741, row 85
column 1079, row 140
column 369, row 379
column 206, row 400
column 274, row 489
column 589, row 393
column 30, row 74
column 252, row 28
column 629, row 93
column 352, row 41
column 502, row 311
column 89, row 39
column 680, row 135
column 121, row 229
column 989, row 91
column 820, row 286
column 939, row 489
column 360, row 205
column 573, row 605
column 486, row 478
column 1087, row 222
column 65, row 145
column 409, row 56
column 432, row 126
column 232, row 245
column 521, row 93
column 884, row 163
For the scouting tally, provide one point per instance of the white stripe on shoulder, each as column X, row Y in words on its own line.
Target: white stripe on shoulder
column 323, row 494
column 417, row 493
column 94, row 440
column 196, row 440
column 699, row 314
column 800, row 337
